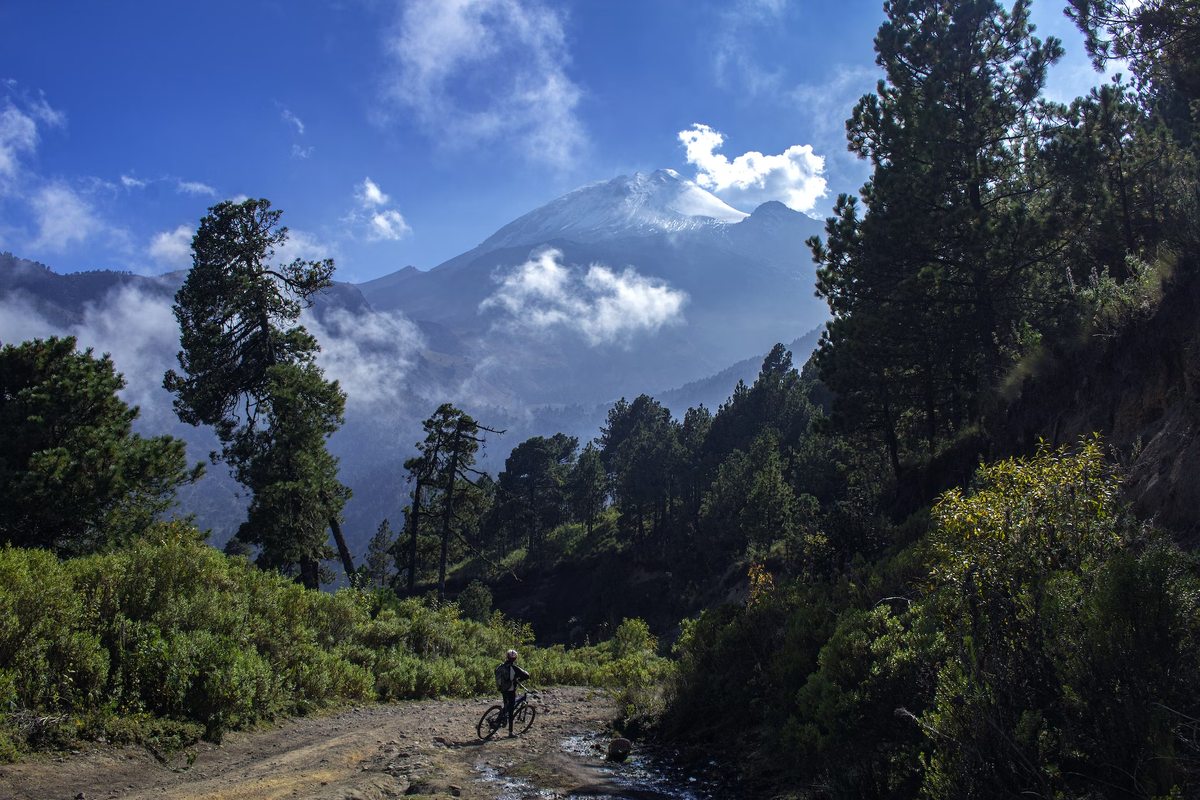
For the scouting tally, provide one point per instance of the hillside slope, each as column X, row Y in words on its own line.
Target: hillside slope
column 1139, row 386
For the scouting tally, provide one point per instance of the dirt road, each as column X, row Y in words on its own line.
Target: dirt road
column 368, row 752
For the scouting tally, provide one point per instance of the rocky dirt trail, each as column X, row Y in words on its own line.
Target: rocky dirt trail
column 367, row 752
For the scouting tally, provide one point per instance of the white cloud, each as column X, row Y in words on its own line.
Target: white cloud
column 194, row 187
column 602, row 305
column 370, row 355
column 388, row 225
column 19, row 322
column 173, row 248
column 138, row 330
column 302, row 244
column 374, row 220
column 827, row 106
column 302, row 152
column 733, row 46
column 795, row 177
column 18, row 136
column 482, row 70
column 42, row 111
column 131, row 183
column 63, row 217
column 369, row 194
column 291, row 118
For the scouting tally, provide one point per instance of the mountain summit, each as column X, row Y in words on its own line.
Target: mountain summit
column 662, row 201
column 618, row 287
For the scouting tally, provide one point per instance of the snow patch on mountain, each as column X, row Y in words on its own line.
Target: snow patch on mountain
column 662, row 201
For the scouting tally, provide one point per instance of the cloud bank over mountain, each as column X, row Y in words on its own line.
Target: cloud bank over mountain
column 371, row 355
column 600, row 304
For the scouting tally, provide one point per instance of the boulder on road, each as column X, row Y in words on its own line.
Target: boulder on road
column 618, row 749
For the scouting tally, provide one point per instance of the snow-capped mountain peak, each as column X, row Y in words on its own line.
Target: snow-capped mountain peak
column 624, row 206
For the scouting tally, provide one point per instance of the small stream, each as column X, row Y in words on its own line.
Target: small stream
column 642, row 776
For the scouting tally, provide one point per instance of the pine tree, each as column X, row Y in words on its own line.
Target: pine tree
column 74, row 477
column 639, row 446
column 249, row 371
column 379, row 567
column 446, row 466
column 533, row 485
column 588, row 486
column 948, row 275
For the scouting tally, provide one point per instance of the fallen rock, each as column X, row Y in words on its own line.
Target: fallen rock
column 427, row 788
column 619, row 749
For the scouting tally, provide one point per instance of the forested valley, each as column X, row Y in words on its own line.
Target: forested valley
column 950, row 555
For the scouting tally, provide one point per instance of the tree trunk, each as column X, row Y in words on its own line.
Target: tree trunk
column 414, row 521
column 889, row 432
column 310, row 573
column 533, row 517
column 447, row 515
column 347, row 560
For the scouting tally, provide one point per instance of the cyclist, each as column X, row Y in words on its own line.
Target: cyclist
column 508, row 675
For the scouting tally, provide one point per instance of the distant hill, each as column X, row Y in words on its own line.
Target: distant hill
column 712, row 391
column 64, row 298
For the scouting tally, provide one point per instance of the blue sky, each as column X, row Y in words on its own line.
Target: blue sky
column 405, row 132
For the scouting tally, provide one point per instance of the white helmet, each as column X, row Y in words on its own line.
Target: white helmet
column 512, row 655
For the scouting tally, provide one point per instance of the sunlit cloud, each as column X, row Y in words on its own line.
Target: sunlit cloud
column 369, row 194
column 369, row 354
column 194, row 187
column 373, row 219
column 794, row 177
column 600, row 304
column 388, row 225
column 63, row 218
column 489, row 70
column 173, row 248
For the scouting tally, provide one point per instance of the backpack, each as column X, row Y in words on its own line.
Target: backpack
column 506, row 679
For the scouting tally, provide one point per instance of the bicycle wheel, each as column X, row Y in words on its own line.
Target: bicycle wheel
column 489, row 723
column 523, row 719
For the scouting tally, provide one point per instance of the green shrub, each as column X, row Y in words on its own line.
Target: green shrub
column 170, row 637
column 475, row 601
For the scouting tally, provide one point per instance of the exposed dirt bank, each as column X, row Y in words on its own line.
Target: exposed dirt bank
column 367, row 752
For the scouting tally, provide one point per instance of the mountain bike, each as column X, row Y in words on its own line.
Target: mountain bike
column 493, row 719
